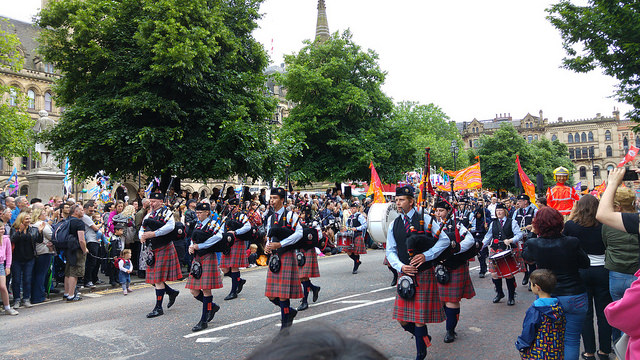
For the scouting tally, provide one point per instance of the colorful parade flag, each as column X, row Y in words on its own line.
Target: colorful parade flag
column 633, row 152
column 527, row 185
column 599, row 189
column 451, row 173
column 578, row 186
column 13, row 173
column 375, row 186
column 467, row 178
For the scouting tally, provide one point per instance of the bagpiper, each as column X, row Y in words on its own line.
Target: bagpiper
column 237, row 224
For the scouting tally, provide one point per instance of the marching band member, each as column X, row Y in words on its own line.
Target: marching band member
column 284, row 284
column 205, row 234
column 310, row 269
column 358, row 224
column 237, row 223
column 158, row 228
column 459, row 285
column 503, row 232
column 425, row 306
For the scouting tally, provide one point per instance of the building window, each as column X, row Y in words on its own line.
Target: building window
column 47, row 101
column 585, row 153
column 607, row 135
column 529, row 139
column 554, row 137
column 610, row 168
column 25, row 163
column 48, row 68
column 625, row 143
column 637, row 142
column 583, row 172
column 31, row 95
column 596, row 171
column 24, row 190
column 590, row 136
column 609, row 151
column 470, row 143
column 571, row 153
column 578, row 154
column 475, row 143
column 13, row 97
column 535, row 137
column 570, row 140
column 1, row 163
column 592, row 151
column 576, row 137
column 583, row 138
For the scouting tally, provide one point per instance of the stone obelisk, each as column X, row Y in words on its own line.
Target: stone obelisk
column 322, row 27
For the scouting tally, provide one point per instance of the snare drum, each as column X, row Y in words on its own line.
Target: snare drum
column 505, row 264
column 344, row 239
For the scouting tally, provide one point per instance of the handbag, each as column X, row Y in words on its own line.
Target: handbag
column 620, row 346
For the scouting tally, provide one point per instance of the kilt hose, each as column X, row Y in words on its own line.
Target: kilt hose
column 310, row 268
column 211, row 278
column 166, row 266
column 358, row 245
column 460, row 285
column 237, row 257
column 492, row 267
column 425, row 307
column 286, row 283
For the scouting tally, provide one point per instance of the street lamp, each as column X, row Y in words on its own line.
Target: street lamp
column 593, row 168
column 454, row 151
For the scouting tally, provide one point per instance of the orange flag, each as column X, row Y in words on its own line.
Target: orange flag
column 375, row 186
column 467, row 178
column 528, row 186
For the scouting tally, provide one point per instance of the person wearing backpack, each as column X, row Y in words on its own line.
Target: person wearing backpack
column 76, row 255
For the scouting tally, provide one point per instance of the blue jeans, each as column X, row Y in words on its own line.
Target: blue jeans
column 40, row 271
column 21, row 273
column 618, row 283
column 575, row 310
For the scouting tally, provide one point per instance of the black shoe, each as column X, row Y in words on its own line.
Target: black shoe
column 421, row 355
column 481, row 275
column 498, row 298
column 356, row 266
column 172, row 298
column 394, row 282
column 303, row 306
column 511, row 301
column 292, row 315
column 155, row 313
column 525, row 280
column 212, row 313
column 240, row 285
column 315, row 291
column 232, row 295
column 74, row 299
column 199, row 326
column 450, row 337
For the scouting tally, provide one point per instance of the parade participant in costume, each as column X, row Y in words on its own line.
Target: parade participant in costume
column 479, row 222
column 284, row 284
column 358, row 224
column 158, row 228
column 310, row 268
column 524, row 217
column 562, row 197
column 459, row 285
column 503, row 233
column 205, row 234
column 236, row 223
column 425, row 306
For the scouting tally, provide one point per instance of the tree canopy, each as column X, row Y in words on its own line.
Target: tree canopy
column 341, row 116
column 606, row 34
column 498, row 154
column 159, row 86
column 16, row 134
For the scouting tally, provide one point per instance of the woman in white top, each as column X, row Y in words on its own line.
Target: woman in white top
column 44, row 257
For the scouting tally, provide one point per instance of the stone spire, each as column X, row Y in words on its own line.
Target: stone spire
column 322, row 27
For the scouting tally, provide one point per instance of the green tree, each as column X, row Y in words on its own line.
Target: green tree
column 16, row 136
column 606, row 34
column 342, row 116
column 429, row 126
column 166, row 86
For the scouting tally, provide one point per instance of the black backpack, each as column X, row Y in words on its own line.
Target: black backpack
column 62, row 239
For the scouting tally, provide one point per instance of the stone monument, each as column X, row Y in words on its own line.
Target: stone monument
column 45, row 180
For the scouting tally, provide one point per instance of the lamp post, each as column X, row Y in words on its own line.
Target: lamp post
column 593, row 168
column 454, row 151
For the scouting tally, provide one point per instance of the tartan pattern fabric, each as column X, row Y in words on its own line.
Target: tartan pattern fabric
column 237, row 257
column 358, row 245
column 211, row 278
column 286, row 283
column 460, row 285
column 310, row 268
column 166, row 266
column 492, row 267
column 425, row 307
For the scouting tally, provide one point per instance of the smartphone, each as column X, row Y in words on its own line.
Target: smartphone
column 630, row 175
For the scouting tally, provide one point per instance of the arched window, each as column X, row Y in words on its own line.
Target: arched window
column 576, row 137
column 475, row 143
column 585, row 153
column 625, row 143
column 570, row 140
column 571, row 153
column 610, row 168
column 529, row 139
column 607, row 135
column 24, row 190
column 554, row 137
column 609, row 151
column 578, row 154
column 31, row 95
column 47, row 101
column 535, row 137
column 590, row 136
column 583, row 172
column 583, row 138
column 13, row 97
column 470, row 143
column 596, row 171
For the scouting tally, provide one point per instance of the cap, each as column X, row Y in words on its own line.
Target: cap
column 203, row 207
column 279, row 191
column 500, row 206
column 156, row 196
column 442, row 205
column 406, row 190
column 524, row 197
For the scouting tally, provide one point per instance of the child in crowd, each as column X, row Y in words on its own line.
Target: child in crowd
column 544, row 324
column 126, row 267
column 116, row 245
column 5, row 269
column 253, row 255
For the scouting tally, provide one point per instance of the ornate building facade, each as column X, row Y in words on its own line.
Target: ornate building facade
column 595, row 145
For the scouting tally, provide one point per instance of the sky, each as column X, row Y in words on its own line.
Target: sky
column 473, row 59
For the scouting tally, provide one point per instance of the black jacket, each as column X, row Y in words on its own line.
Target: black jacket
column 562, row 255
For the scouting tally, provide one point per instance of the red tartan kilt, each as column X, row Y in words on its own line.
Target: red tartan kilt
column 286, row 283
column 460, row 285
column 237, row 257
column 310, row 268
column 518, row 254
column 211, row 278
column 425, row 307
column 358, row 246
column 166, row 266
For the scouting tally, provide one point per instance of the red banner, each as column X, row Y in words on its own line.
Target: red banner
column 527, row 185
column 633, row 152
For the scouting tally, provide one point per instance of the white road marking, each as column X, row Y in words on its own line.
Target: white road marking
column 475, row 268
column 93, row 295
column 259, row 318
column 47, row 302
column 475, row 329
column 342, row 310
column 211, row 340
column 354, row 301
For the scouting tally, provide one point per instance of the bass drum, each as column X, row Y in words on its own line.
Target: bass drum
column 380, row 216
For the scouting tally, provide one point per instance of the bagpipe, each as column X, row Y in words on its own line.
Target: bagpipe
column 152, row 224
column 199, row 236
